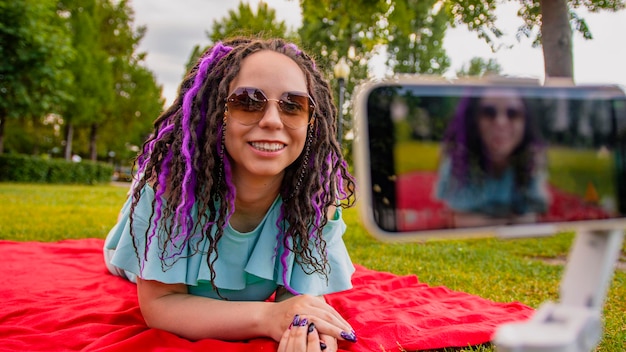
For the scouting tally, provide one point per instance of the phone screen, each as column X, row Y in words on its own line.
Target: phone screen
column 455, row 156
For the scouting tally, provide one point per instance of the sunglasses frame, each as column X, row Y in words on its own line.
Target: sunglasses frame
column 252, row 91
column 510, row 113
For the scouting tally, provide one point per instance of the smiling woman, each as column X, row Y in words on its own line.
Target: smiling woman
column 264, row 138
column 237, row 210
column 491, row 147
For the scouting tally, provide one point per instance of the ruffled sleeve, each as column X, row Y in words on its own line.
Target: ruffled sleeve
column 304, row 280
column 129, row 251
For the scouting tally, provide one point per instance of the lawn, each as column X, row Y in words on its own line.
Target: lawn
column 500, row 270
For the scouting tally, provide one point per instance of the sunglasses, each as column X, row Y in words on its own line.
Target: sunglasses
column 491, row 112
column 247, row 106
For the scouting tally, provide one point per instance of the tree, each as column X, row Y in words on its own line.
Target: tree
column 244, row 22
column 349, row 29
column 138, row 103
column 416, row 39
column 136, row 96
column 91, row 68
column 410, row 32
column 113, row 91
column 479, row 67
column 34, row 47
column 549, row 23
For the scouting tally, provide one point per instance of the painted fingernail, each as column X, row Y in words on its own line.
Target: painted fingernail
column 296, row 320
column 310, row 329
column 323, row 346
column 348, row 336
column 304, row 322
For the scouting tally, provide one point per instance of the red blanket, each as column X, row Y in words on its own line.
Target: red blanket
column 418, row 195
column 59, row 297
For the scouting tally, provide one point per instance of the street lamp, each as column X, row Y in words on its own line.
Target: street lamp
column 342, row 71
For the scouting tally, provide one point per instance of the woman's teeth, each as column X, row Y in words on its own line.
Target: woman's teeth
column 268, row 147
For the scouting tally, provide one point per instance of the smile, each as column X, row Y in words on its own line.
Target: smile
column 267, row 147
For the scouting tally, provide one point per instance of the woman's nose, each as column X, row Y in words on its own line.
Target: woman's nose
column 271, row 116
column 501, row 118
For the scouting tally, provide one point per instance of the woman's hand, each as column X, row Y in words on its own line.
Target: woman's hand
column 329, row 324
column 301, row 338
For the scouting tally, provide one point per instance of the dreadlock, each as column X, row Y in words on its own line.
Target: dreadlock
column 186, row 163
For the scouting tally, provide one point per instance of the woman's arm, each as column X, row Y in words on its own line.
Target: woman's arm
column 466, row 219
column 170, row 307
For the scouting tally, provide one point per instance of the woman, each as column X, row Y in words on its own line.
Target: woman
column 492, row 170
column 234, row 226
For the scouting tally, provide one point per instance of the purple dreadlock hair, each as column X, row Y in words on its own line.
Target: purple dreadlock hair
column 185, row 161
column 463, row 145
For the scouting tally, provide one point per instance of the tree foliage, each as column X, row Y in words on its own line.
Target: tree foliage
column 350, row 29
column 410, row 34
column 478, row 67
column 244, row 22
column 136, row 101
column 76, row 78
column 416, row 37
column 34, row 49
column 91, row 69
column 74, row 63
column 548, row 23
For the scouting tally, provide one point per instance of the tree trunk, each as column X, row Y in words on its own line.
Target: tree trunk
column 69, row 135
column 36, row 131
column 556, row 34
column 93, row 137
column 3, row 121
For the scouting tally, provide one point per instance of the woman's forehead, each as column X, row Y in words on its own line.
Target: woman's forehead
column 270, row 71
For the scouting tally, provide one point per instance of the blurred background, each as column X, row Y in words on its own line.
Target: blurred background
column 83, row 80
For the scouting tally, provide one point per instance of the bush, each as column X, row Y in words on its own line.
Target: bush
column 26, row 168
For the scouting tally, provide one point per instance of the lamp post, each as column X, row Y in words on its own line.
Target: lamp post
column 342, row 71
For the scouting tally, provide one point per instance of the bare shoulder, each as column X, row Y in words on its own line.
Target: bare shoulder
column 332, row 211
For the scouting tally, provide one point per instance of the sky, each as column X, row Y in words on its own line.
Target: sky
column 175, row 27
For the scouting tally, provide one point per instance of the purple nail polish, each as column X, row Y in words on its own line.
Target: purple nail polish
column 348, row 336
column 323, row 346
column 296, row 320
column 310, row 329
column 304, row 322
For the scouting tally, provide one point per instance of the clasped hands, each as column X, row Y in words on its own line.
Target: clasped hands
column 313, row 325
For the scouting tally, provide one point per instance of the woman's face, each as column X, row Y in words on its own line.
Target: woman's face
column 501, row 123
column 265, row 148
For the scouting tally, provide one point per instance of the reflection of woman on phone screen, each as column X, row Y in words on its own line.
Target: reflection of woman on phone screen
column 491, row 172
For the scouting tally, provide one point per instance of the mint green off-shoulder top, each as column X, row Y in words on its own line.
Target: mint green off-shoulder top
column 248, row 267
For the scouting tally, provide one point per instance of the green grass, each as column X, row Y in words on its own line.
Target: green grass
column 49, row 213
column 416, row 156
column 499, row 270
column 572, row 170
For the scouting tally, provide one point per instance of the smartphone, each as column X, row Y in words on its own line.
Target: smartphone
column 489, row 157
